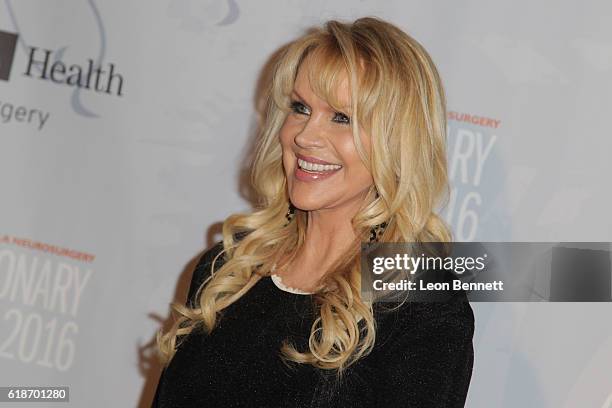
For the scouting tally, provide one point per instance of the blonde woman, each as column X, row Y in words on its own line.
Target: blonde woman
column 352, row 150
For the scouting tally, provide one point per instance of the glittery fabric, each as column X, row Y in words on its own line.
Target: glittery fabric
column 423, row 356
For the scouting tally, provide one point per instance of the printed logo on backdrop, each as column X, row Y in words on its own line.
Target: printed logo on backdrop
column 477, row 177
column 42, row 288
column 197, row 15
column 9, row 112
column 81, row 73
column 8, row 41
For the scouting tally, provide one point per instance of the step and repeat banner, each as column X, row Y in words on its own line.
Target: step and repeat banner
column 125, row 127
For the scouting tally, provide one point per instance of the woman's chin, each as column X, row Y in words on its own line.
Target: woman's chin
column 308, row 203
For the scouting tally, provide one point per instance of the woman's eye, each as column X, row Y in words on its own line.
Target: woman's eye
column 342, row 118
column 299, row 107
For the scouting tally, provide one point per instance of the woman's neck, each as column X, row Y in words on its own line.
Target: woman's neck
column 328, row 234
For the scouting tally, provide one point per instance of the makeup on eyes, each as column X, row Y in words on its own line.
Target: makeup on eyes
column 295, row 106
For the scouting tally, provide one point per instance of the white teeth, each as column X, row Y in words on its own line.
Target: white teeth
column 317, row 167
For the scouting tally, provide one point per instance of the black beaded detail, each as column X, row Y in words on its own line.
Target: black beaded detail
column 377, row 231
column 290, row 214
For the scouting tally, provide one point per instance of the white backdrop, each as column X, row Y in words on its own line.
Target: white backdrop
column 107, row 199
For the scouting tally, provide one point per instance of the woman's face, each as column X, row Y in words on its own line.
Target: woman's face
column 321, row 162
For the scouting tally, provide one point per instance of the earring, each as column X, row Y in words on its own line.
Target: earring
column 290, row 214
column 376, row 231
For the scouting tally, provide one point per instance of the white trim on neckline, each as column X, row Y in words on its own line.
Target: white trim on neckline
column 278, row 281
column 279, row 284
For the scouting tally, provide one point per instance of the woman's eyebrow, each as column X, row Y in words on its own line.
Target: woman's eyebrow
column 298, row 95
column 346, row 109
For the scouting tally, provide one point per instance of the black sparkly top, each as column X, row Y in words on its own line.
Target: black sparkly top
column 423, row 356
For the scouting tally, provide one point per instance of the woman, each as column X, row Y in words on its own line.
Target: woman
column 352, row 150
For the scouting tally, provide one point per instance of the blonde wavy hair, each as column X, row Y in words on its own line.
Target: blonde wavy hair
column 397, row 96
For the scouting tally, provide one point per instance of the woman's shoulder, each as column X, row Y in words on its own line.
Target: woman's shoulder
column 435, row 311
column 203, row 269
column 451, row 319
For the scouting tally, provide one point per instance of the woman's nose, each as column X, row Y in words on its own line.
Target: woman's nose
column 312, row 134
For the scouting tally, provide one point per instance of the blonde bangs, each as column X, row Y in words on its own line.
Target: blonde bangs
column 328, row 75
column 332, row 69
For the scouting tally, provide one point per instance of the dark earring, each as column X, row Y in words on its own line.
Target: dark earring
column 290, row 214
column 376, row 231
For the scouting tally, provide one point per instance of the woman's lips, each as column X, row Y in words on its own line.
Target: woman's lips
column 312, row 159
column 312, row 175
column 304, row 175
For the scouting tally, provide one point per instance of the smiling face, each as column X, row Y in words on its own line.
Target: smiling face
column 323, row 168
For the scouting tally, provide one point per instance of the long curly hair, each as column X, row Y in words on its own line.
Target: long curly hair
column 397, row 95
